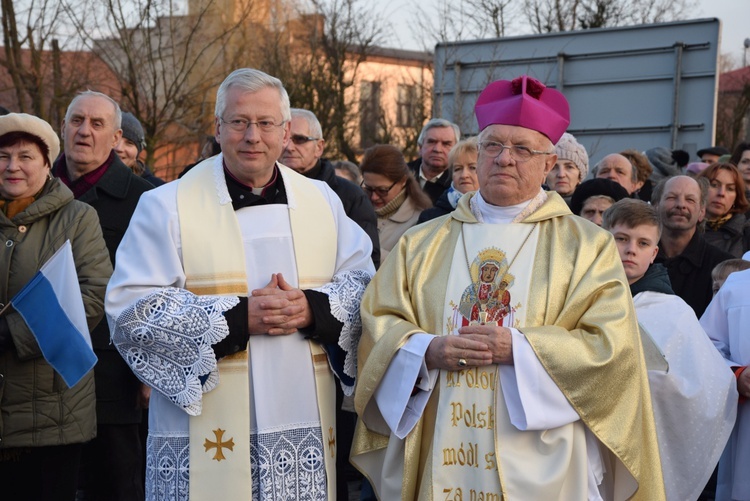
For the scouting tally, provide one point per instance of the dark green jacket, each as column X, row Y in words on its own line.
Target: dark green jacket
column 36, row 406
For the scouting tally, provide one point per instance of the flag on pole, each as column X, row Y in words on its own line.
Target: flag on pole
column 52, row 306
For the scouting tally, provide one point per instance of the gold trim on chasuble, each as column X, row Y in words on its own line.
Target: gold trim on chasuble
column 220, row 269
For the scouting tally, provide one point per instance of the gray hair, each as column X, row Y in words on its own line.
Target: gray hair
column 251, row 80
column 658, row 190
column 351, row 168
column 313, row 124
column 438, row 122
column 92, row 93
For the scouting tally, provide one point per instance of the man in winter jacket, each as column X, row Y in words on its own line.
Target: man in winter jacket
column 112, row 463
column 437, row 138
column 303, row 153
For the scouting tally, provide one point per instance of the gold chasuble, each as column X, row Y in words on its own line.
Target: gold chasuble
column 214, row 262
column 567, row 294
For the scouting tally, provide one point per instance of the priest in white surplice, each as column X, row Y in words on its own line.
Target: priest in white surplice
column 552, row 402
column 245, row 262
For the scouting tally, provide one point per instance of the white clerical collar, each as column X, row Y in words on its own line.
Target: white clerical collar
column 494, row 214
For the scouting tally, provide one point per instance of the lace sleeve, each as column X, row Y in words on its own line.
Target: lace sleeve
column 344, row 296
column 166, row 337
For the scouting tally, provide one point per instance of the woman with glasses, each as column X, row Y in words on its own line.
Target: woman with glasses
column 394, row 193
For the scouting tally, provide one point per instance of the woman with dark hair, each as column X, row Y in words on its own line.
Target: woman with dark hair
column 44, row 422
column 741, row 159
column 726, row 225
column 394, row 193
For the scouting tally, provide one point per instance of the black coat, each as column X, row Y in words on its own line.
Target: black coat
column 690, row 272
column 355, row 202
column 441, row 208
column 114, row 197
column 433, row 190
column 733, row 236
column 150, row 177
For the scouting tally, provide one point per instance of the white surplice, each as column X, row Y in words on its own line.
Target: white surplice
column 694, row 402
column 727, row 322
column 284, row 418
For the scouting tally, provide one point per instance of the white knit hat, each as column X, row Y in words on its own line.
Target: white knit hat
column 568, row 148
column 22, row 122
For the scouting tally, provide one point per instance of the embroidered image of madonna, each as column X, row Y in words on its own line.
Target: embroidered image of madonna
column 487, row 299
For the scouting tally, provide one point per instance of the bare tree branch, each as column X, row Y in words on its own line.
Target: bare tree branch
column 168, row 65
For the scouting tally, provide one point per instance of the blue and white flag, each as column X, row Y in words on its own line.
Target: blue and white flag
column 52, row 306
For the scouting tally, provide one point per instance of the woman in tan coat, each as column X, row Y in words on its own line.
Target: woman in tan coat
column 394, row 193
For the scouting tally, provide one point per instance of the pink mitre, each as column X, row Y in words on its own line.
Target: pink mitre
column 524, row 102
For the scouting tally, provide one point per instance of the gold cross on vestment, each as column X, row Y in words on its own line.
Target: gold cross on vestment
column 219, row 444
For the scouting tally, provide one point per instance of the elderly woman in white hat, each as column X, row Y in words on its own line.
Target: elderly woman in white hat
column 44, row 422
column 571, row 167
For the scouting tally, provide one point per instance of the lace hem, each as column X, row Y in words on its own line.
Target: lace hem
column 285, row 465
column 167, row 468
column 344, row 296
column 289, row 465
column 166, row 337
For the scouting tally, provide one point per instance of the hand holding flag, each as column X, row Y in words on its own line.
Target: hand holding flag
column 52, row 306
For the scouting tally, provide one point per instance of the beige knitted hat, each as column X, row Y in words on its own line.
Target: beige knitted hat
column 568, row 148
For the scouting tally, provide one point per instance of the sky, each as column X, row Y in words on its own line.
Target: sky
column 734, row 15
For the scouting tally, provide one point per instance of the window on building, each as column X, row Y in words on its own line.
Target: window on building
column 407, row 106
column 369, row 113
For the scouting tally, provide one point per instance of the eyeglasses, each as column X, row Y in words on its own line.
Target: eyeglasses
column 521, row 153
column 379, row 190
column 299, row 139
column 241, row 125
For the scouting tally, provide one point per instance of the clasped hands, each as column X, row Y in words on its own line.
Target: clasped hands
column 277, row 308
column 475, row 346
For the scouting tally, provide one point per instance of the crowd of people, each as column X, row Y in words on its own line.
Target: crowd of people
column 497, row 319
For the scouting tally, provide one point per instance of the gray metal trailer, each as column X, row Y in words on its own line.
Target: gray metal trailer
column 628, row 87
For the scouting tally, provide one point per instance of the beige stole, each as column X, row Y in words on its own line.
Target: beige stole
column 220, row 435
column 476, row 452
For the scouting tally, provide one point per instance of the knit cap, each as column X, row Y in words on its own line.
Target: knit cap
column 594, row 187
column 663, row 162
column 568, row 148
column 133, row 131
